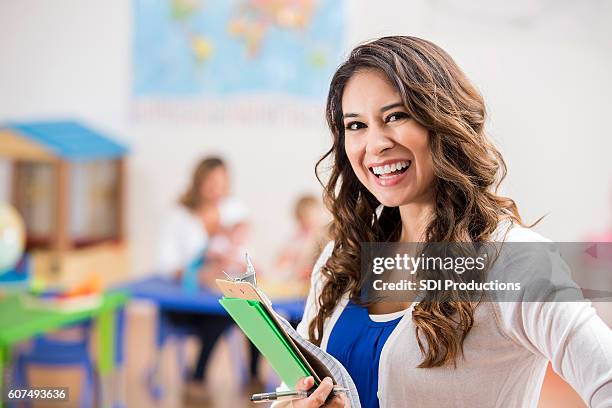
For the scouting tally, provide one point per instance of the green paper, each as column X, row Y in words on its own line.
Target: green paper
column 258, row 326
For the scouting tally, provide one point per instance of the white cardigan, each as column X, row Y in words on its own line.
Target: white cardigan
column 505, row 353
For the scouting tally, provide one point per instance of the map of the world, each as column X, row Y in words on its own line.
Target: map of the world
column 217, row 48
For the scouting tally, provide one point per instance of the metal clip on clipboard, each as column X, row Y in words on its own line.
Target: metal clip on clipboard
column 248, row 276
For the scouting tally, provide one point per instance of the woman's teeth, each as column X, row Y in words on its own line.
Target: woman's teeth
column 388, row 169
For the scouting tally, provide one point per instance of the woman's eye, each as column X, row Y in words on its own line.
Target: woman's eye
column 354, row 126
column 395, row 116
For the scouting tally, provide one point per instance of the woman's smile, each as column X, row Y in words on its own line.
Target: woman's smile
column 390, row 172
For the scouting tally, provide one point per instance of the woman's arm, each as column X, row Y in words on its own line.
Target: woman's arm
column 568, row 333
column 170, row 248
column 571, row 335
column 180, row 240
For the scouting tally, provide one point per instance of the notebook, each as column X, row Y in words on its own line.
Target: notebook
column 254, row 321
column 290, row 355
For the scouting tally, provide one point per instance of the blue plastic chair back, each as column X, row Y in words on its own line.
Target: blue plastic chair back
column 52, row 352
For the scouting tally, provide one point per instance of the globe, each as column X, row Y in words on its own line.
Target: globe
column 12, row 237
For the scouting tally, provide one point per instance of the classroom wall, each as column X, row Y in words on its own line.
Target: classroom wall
column 543, row 67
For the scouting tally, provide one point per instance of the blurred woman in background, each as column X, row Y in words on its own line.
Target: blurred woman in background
column 184, row 242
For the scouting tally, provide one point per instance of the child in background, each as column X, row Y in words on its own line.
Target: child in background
column 226, row 249
column 298, row 256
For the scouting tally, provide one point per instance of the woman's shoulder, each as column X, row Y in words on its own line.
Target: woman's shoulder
column 510, row 231
column 523, row 254
column 181, row 221
column 179, row 214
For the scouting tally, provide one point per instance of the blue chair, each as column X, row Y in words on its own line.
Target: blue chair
column 50, row 352
column 167, row 331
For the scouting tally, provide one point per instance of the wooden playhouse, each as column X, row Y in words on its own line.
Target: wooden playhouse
column 68, row 183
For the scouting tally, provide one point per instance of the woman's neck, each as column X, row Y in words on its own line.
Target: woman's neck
column 208, row 212
column 204, row 206
column 415, row 218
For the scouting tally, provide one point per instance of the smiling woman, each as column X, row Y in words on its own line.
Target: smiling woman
column 412, row 163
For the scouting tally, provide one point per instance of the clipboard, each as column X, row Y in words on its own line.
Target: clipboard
column 290, row 360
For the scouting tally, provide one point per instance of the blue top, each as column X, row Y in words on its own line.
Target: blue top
column 357, row 341
column 70, row 140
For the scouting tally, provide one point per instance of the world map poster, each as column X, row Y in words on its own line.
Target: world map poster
column 194, row 56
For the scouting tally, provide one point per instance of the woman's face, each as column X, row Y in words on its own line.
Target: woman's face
column 215, row 186
column 388, row 151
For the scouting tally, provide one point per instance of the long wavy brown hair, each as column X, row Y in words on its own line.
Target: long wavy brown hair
column 468, row 170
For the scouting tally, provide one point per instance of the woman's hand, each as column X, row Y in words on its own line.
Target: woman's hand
column 319, row 396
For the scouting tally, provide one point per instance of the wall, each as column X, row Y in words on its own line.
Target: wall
column 543, row 67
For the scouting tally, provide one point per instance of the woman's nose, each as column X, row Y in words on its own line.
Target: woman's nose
column 378, row 141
